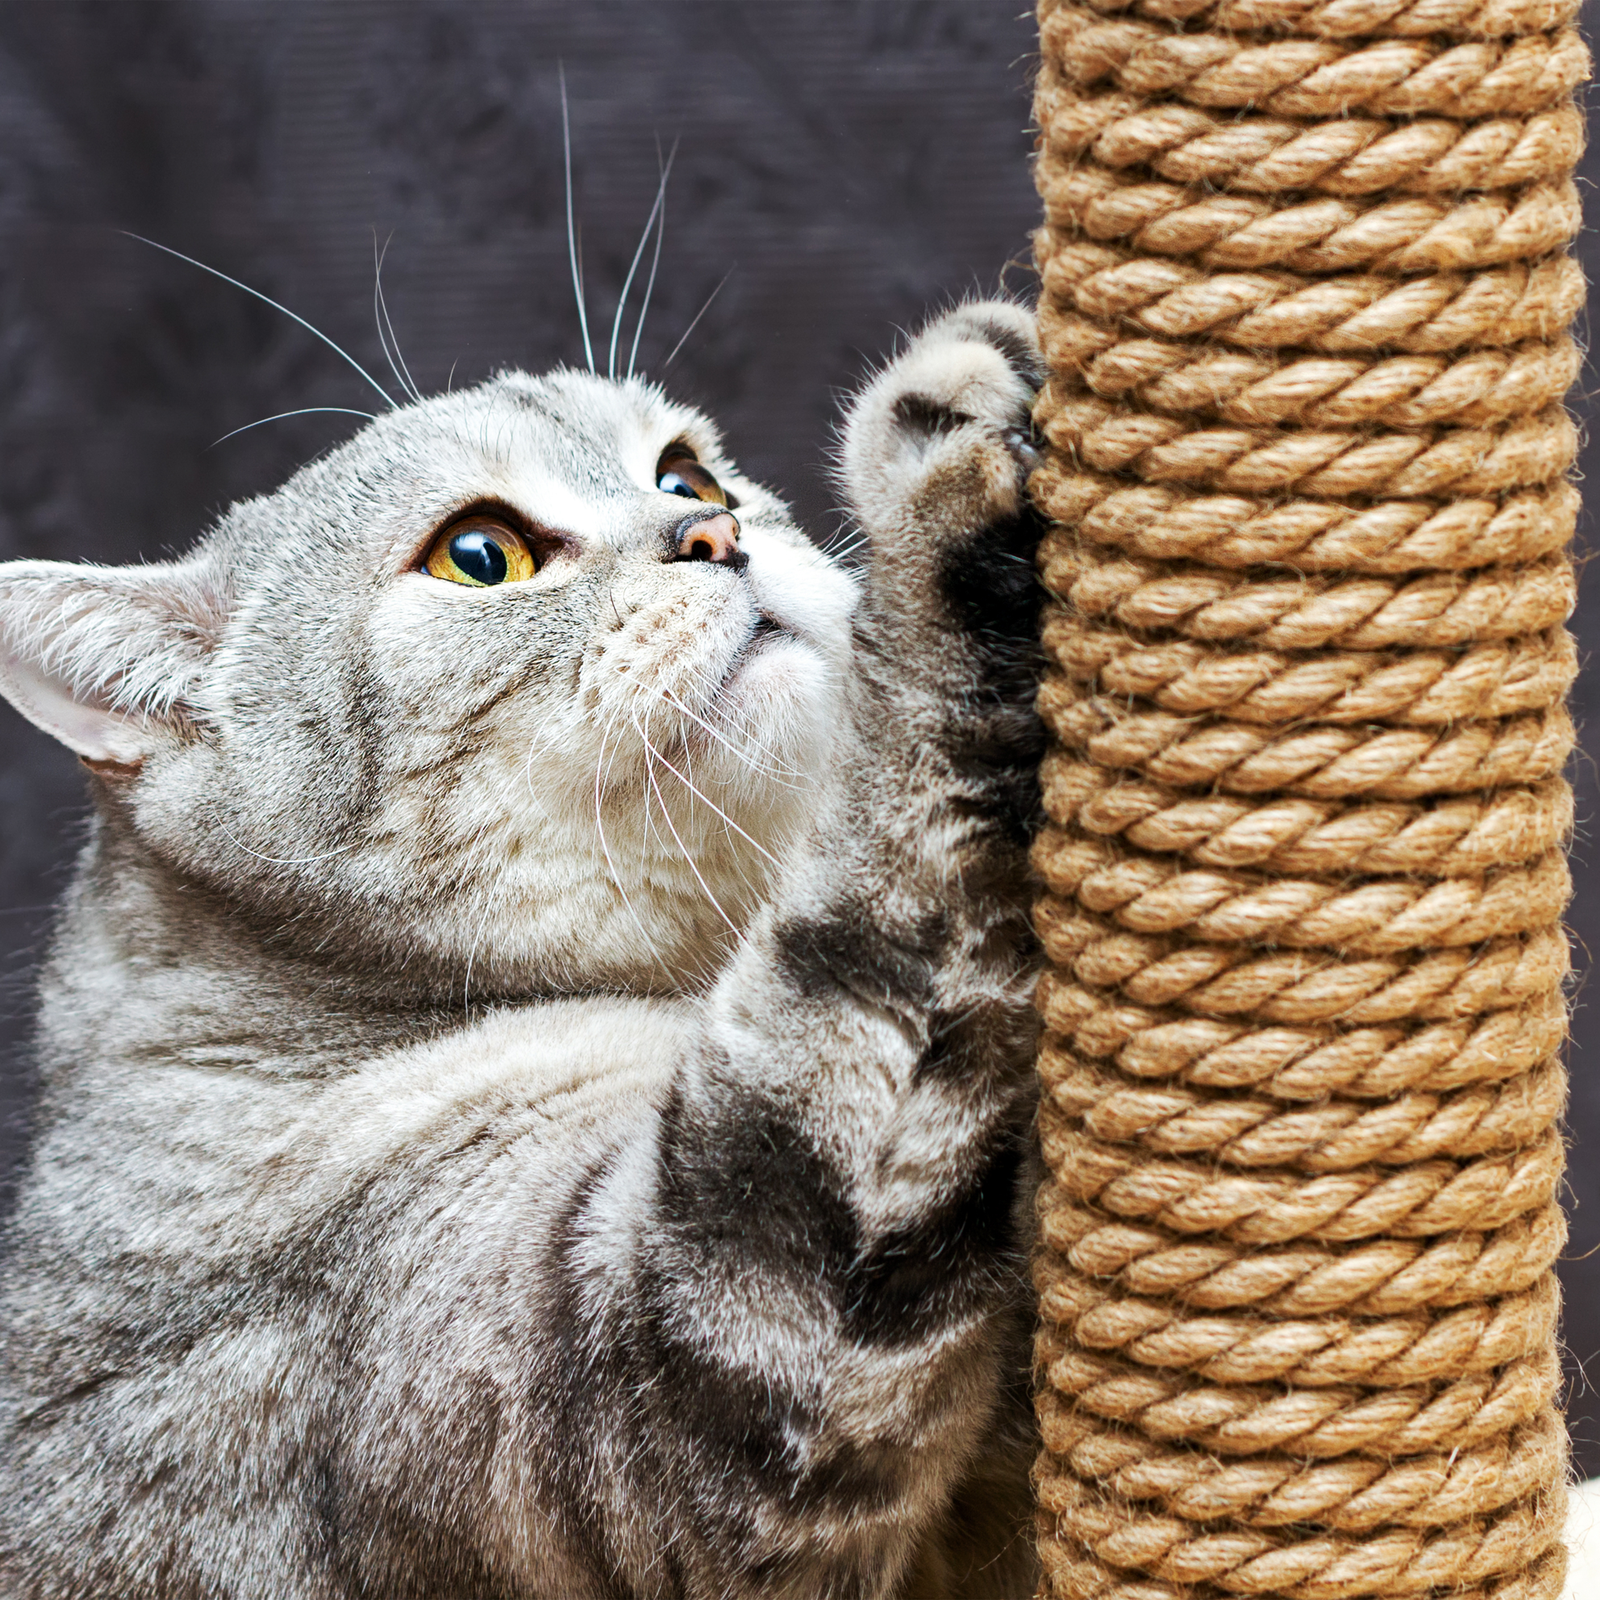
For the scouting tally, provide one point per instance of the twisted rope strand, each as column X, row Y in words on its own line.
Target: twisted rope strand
column 1501, row 679
column 1239, row 531
column 1339, row 19
column 1316, row 1424
column 1484, row 387
column 1300, row 1063
column 1347, row 155
column 1317, row 78
column 1439, row 838
column 1393, row 237
column 1196, row 602
column 1256, row 1130
column 1149, row 895
column 1319, row 762
column 1120, row 295
column 1305, row 1352
column 1353, row 1495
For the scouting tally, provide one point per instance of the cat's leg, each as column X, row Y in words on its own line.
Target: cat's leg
column 831, row 1269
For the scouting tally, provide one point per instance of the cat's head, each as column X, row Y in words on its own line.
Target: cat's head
column 528, row 677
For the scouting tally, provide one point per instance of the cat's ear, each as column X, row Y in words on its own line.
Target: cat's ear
column 104, row 658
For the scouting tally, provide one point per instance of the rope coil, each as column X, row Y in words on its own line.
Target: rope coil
column 1305, row 304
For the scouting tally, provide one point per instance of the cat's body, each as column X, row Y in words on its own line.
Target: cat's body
column 432, row 1196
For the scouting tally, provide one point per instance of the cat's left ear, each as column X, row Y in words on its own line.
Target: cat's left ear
column 105, row 658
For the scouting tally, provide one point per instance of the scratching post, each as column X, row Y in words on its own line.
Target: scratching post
column 1305, row 305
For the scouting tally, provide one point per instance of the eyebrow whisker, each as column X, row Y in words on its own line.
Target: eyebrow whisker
column 266, row 299
column 658, row 209
column 304, row 411
column 697, row 316
column 380, row 315
column 572, row 237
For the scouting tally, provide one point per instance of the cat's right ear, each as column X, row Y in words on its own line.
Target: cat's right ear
column 106, row 658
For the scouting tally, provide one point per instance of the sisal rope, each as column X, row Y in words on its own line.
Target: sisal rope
column 1305, row 304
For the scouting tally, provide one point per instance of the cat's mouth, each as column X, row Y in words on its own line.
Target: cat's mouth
column 765, row 631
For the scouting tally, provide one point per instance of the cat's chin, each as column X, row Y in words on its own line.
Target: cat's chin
column 778, row 690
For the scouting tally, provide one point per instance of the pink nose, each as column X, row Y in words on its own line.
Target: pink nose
column 715, row 538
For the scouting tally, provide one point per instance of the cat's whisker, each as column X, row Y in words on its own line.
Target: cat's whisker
column 754, row 890
column 466, row 982
column 572, row 235
column 304, row 411
column 650, row 774
column 285, row 861
column 605, row 850
column 728, row 823
column 650, row 282
column 380, row 315
column 633, row 266
column 734, row 750
column 338, row 350
column 644, row 791
column 777, row 764
column 707, row 801
column 839, row 548
column 697, row 316
column 667, row 697
column 649, row 822
column 649, row 290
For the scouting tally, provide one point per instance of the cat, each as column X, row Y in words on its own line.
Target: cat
column 536, row 1057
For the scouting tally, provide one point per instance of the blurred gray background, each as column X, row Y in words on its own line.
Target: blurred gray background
column 853, row 162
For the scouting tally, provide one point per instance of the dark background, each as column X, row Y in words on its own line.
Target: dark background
column 853, row 162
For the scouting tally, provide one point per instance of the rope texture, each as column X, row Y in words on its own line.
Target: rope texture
column 1306, row 308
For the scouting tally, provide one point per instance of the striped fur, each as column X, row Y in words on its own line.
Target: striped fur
column 471, row 1166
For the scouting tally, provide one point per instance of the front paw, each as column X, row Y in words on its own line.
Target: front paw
column 937, row 452
column 940, row 444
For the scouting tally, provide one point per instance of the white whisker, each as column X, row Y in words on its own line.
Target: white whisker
column 572, row 237
column 304, row 411
column 287, row 861
column 655, row 262
column 649, row 290
column 605, row 850
column 778, row 765
column 650, row 750
column 697, row 316
column 772, row 772
column 380, row 315
column 268, row 300
column 633, row 267
column 712, row 804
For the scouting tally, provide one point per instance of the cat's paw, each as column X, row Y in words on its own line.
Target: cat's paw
column 938, row 447
column 937, row 453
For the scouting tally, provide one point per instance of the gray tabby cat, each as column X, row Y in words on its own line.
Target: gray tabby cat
column 536, row 1056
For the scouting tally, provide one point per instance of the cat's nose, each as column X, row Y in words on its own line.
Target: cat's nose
column 713, row 538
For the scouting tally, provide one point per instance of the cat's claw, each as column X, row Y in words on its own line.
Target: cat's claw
column 1026, row 446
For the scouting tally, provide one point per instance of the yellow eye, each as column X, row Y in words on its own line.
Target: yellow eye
column 680, row 474
column 481, row 551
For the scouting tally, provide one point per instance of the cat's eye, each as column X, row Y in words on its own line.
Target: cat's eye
column 482, row 551
column 683, row 475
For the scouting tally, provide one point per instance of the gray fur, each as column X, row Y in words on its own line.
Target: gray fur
column 536, row 1078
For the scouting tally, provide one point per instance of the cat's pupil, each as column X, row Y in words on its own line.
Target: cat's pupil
column 479, row 557
column 671, row 483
